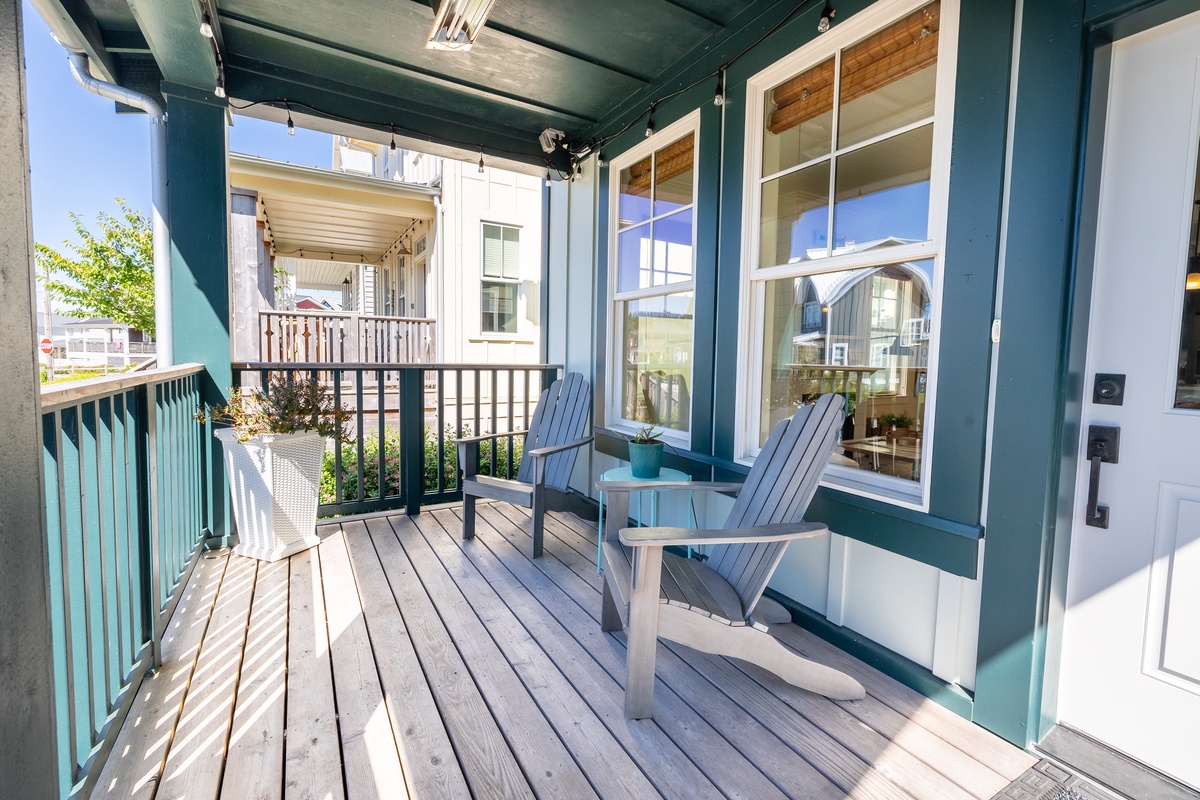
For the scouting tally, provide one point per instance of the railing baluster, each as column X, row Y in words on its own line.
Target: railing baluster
column 508, row 473
column 441, row 432
column 337, row 442
column 360, row 435
column 382, row 404
column 108, row 555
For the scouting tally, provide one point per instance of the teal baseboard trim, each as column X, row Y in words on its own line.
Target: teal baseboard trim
column 217, row 542
column 894, row 665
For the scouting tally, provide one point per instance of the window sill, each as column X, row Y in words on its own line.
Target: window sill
column 499, row 338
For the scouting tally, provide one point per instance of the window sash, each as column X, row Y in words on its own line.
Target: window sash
column 755, row 279
column 501, row 251
column 683, row 129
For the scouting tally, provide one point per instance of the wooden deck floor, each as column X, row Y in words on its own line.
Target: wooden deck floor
column 396, row 660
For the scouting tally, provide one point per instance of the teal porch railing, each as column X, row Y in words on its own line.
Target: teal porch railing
column 124, row 466
column 399, row 452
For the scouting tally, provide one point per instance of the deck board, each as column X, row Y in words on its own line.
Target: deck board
column 396, row 659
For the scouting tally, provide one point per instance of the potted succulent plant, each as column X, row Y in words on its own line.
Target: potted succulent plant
column 274, row 444
column 645, row 452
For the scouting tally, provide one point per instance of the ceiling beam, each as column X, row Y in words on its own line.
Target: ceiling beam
column 73, row 22
column 172, row 29
column 126, row 43
column 358, row 112
column 305, row 43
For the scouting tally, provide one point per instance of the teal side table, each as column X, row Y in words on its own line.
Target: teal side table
column 621, row 474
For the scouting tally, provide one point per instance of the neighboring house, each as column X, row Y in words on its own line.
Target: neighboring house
column 399, row 235
column 480, row 276
column 97, row 342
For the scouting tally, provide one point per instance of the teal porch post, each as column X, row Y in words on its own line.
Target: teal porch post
column 30, row 754
column 197, row 158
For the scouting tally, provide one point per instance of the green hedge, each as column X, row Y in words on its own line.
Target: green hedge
column 391, row 464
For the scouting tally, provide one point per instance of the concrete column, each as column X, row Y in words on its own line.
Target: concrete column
column 197, row 168
column 28, row 738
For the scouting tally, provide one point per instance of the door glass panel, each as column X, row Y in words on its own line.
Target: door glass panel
column 1187, row 382
column 861, row 333
column 795, row 217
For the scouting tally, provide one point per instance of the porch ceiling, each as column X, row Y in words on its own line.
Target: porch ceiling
column 323, row 214
column 361, row 66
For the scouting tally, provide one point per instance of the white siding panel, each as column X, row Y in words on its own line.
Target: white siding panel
column 892, row 600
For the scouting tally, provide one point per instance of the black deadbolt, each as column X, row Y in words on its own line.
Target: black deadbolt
column 1109, row 389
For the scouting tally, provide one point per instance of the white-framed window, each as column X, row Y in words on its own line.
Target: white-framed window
column 652, row 267
column 847, row 162
column 501, row 278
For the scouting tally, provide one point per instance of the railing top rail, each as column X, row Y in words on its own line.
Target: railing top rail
column 56, row 397
column 270, row 312
column 329, row 366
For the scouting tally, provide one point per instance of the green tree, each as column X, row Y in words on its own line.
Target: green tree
column 106, row 274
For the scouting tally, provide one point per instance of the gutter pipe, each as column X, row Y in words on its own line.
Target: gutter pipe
column 163, row 318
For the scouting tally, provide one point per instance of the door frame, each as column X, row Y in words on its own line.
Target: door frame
column 1101, row 37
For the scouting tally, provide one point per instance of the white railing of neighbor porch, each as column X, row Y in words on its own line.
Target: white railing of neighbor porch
column 318, row 336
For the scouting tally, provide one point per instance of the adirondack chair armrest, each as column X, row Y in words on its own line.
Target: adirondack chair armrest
column 645, row 486
column 662, row 537
column 544, row 452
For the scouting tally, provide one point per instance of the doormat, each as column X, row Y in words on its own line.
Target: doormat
column 1049, row 781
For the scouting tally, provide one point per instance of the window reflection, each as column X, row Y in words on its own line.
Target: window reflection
column 657, row 368
column 864, row 334
column 882, row 192
column 795, row 217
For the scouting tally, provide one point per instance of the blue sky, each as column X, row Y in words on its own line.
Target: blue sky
column 83, row 154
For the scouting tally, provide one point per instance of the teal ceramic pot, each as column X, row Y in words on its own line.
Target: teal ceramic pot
column 645, row 460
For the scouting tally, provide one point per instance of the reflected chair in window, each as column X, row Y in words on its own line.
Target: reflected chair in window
column 553, row 440
column 708, row 606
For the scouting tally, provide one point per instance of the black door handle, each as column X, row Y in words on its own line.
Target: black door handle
column 1104, row 447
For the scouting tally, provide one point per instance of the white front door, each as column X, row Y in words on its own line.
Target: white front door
column 1131, row 652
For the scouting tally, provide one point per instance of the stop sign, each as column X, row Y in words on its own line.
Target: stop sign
column 46, row 345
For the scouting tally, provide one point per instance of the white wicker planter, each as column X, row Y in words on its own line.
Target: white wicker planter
column 274, row 481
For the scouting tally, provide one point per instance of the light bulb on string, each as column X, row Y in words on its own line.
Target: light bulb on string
column 219, row 89
column 393, row 144
column 650, row 122
column 291, row 126
column 481, row 159
column 206, row 29
column 827, row 15
column 719, row 97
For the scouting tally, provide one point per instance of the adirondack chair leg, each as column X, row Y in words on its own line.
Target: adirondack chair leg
column 610, row 615
column 468, row 528
column 538, row 511
column 643, row 632
column 757, row 647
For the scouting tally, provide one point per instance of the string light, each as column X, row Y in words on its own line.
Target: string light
column 219, row 90
column 719, row 97
column 206, row 28
column 291, row 125
column 393, row 145
column 650, row 122
column 481, row 159
column 827, row 15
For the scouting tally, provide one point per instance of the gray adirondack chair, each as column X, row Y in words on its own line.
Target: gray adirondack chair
column 708, row 606
column 553, row 440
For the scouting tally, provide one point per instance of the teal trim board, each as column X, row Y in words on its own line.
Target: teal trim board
column 199, row 202
column 1029, row 387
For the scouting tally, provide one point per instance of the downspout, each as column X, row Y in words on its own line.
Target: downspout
column 163, row 321
column 439, row 262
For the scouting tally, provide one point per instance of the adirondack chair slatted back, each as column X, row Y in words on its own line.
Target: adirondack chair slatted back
column 560, row 416
column 778, row 489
